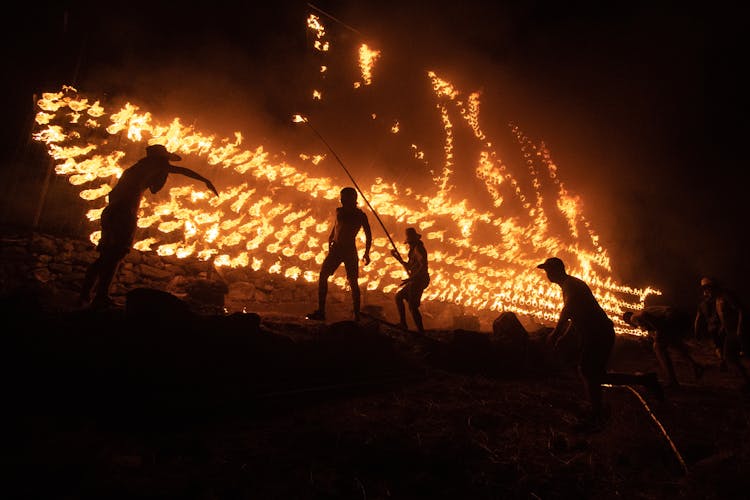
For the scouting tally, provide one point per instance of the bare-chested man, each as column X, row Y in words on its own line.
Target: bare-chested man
column 120, row 217
column 342, row 247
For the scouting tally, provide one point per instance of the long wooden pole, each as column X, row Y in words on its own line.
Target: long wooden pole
column 302, row 118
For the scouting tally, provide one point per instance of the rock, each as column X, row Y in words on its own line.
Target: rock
column 155, row 304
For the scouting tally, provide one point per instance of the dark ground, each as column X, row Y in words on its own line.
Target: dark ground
column 127, row 404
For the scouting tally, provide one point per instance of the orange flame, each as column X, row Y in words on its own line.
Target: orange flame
column 367, row 58
column 479, row 259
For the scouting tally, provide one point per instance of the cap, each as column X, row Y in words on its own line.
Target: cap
column 412, row 235
column 159, row 151
column 552, row 263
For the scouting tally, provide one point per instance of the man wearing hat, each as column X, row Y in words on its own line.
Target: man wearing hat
column 583, row 316
column 419, row 277
column 119, row 219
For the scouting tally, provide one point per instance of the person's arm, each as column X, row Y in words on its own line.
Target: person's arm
column 333, row 232
column 398, row 257
column 368, row 238
column 561, row 328
column 729, row 315
column 644, row 322
column 173, row 169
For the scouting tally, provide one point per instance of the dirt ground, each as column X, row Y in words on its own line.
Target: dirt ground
column 111, row 405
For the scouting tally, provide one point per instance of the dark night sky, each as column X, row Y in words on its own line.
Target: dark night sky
column 642, row 106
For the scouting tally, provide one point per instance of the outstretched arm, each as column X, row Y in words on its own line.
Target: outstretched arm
column 173, row 169
column 561, row 328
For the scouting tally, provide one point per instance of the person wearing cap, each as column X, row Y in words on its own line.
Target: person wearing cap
column 419, row 277
column 668, row 326
column 119, row 218
column 582, row 316
column 342, row 248
column 720, row 315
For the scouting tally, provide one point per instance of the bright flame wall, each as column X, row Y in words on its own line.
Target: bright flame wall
column 274, row 215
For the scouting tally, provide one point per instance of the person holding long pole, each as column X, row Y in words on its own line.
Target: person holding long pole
column 302, row 119
column 413, row 286
column 342, row 248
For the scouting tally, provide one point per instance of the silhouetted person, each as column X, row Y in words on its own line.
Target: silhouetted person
column 707, row 323
column 721, row 316
column 583, row 315
column 414, row 285
column 342, row 248
column 668, row 326
column 119, row 219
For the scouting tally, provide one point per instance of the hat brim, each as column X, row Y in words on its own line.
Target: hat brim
column 174, row 157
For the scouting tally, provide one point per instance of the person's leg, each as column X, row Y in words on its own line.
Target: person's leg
column 89, row 280
column 118, row 231
column 731, row 353
column 683, row 350
column 665, row 361
column 356, row 296
column 593, row 387
column 107, row 269
column 417, row 317
column 400, row 298
column 415, row 298
column 330, row 263
column 351, row 262
column 719, row 339
column 593, row 366
column 322, row 290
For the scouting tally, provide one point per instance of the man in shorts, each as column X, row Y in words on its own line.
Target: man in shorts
column 342, row 248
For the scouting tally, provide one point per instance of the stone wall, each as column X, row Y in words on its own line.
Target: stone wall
column 56, row 265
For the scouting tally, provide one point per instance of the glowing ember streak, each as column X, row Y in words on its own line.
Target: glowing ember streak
column 395, row 128
column 367, row 58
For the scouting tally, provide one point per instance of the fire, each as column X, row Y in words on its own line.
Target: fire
column 367, row 58
column 314, row 24
column 274, row 215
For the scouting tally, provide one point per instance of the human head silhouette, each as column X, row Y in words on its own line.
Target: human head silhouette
column 554, row 268
column 349, row 197
column 160, row 151
column 412, row 236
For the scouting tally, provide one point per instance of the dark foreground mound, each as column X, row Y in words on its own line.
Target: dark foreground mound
column 153, row 401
